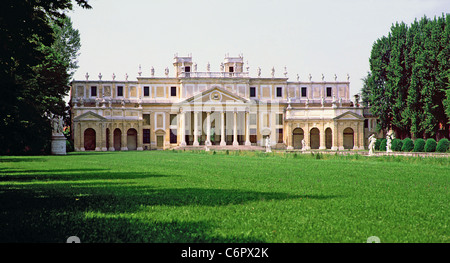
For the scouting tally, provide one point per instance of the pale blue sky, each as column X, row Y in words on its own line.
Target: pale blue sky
column 318, row 37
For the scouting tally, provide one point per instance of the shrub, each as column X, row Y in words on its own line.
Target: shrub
column 419, row 145
column 408, row 145
column 383, row 145
column 430, row 145
column 377, row 144
column 397, row 145
column 442, row 145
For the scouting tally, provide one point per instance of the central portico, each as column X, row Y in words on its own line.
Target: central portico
column 222, row 108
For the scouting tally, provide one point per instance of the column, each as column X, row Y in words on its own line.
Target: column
column 139, row 137
column 334, row 145
column 82, row 138
column 247, row 129
column 111, row 139
column 322, row 145
column 235, row 142
column 124, row 139
column 222, row 129
column 182, row 128
column 289, row 136
column 98, row 137
column 208, row 128
column 103, row 142
column 307, row 137
column 195, row 128
column 361, row 135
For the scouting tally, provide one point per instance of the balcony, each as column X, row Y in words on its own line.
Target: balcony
column 213, row 75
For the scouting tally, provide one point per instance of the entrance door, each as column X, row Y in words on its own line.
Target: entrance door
column 132, row 139
column 160, row 141
column 297, row 137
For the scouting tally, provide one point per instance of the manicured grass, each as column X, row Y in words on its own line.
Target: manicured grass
column 167, row 196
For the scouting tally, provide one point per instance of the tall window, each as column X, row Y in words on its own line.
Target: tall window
column 253, row 135
column 329, row 92
column 280, row 136
column 119, row 91
column 252, row 92
column 94, row 91
column 279, row 92
column 303, row 91
column 146, row 136
column 146, row 91
column 173, row 136
column 173, row 91
column 279, row 119
column 173, row 119
column 146, row 118
column 252, row 119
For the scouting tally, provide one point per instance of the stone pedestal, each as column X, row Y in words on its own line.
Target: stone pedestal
column 58, row 144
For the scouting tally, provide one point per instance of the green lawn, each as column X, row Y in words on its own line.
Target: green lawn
column 166, row 196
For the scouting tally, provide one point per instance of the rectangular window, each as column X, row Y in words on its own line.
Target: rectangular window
column 173, row 136
column 173, row 119
column 94, row 91
column 146, row 91
column 280, row 135
column 303, row 91
column 173, row 91
column 252, row 92
column 253, row 135
column 329, row 92
column 279, row 92
column 252, row 119
column 119, row 91
column 146, row 136
column 279, row 119
column 231, row 69
column 146, row 118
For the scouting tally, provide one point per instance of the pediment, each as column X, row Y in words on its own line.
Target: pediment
column 349, row 116
column 216, row 95
column 89, row 116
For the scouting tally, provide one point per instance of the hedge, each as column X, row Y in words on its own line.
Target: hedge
column 383, row 145
column 396, row 145
column 408, row 145
column 443, row 145
column 419, row 145
column 430, row 145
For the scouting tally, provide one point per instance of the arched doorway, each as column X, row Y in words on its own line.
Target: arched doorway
column 314, row 138
column 89, row 139
column 132, row 139
column 328, row 138
column 348, row 138
column 117, row 139
column 297, row 137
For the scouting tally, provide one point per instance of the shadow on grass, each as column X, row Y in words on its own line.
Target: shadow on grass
column 18, row 175
column 21, row 159
column 53, row 212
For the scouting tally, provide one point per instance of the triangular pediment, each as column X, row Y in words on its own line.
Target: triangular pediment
column 349, row 116
column 216, row 95
column 89, row 116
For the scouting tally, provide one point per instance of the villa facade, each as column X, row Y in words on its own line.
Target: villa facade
column 216, row 108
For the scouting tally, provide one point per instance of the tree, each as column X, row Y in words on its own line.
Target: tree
column 34, row 75
column 407, row 86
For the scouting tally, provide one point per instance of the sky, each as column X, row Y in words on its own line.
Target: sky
column 307, row 37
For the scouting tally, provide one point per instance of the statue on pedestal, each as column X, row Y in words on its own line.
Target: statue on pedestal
column 303, row 145
column 58, row 146
column 372, row 141
column 389, row 137
column 268, row 149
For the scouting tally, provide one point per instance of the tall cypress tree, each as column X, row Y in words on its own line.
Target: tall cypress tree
column 407, row 89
